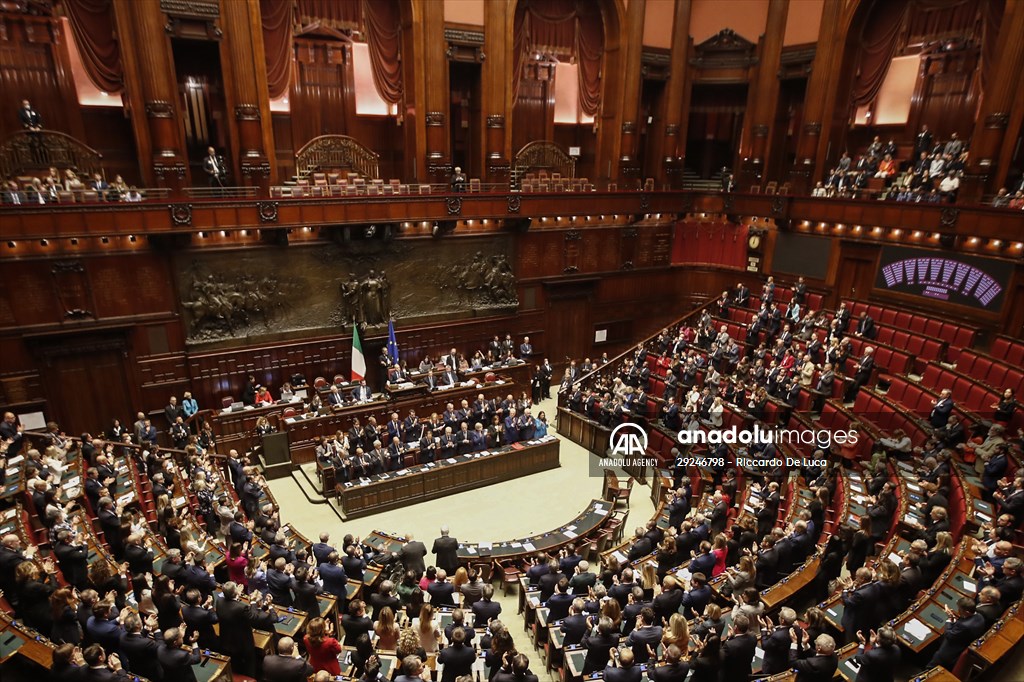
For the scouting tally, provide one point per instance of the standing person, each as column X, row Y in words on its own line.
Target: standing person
column 322, row 647
column 237, row 622
column 446, row 549
column 213, row 167
column 412, row 554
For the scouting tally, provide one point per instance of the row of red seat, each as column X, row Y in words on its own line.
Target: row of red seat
column 1008, row 350
column 887, row 358
column 995, row 373
column 956, row 335
column 922, row 348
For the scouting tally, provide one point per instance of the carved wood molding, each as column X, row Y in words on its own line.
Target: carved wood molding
column 496, row 121
column 159, row 109
column 267, row 211
column 725, row 49
column 434, row 119
column 162, row 170
column 256, row 168
column 454, row 205
column 181, row 214
column 247, row 112
column 997, row 121
column 514, row 203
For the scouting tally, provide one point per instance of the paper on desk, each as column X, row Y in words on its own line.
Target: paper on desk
column 569, row 534
column 758, row 653
column 832, row 612
column 470, row 550
column 917, row 629
column 517, row 544
column 450, row 460
column 620, row 557
column 485, row 545
column 970, row 587
column 16, row 460
column 600, row 511
column 528, row 546
column 895, row 558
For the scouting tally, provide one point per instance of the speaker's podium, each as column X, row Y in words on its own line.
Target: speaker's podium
column 275, row 456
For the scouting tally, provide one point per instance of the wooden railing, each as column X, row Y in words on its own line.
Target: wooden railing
column 336, row 153
column 31, row 152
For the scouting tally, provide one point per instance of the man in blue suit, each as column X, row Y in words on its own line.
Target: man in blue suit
column 334, row 576
column 698, row 597
column 511, row 426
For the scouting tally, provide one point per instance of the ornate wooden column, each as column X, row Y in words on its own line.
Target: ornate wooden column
column 677, row 97
column 497, row 90
column 436, row 93
column 152, row 91
column 990, row 140
column 763, row 98
column 629, row 106
column 247, row 95
column 828, row 59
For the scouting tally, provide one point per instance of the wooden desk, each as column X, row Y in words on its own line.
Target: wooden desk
column 212, row 667
column 237, row 429
column 441, row 478
column 24, row 641
column 583, row 431
column 589, row 520
column 302, row 433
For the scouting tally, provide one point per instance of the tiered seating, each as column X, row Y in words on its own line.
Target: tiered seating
column 1010, row 351
column 969, row 395
column 994, row 373
column 957, row 336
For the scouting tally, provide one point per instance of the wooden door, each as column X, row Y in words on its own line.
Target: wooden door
column 569, row 333
column 86, row 382
column 855, row 277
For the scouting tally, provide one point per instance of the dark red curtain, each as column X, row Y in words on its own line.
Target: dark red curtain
column 721, row 244
column 384, row 37
column 561, row 27
column 92, row 24
column 892, row 25
column 336, row 14
column 276, row 17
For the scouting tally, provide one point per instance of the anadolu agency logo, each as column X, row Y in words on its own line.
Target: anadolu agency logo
column 628, row 440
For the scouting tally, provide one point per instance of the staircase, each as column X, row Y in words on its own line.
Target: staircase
column 693, row 181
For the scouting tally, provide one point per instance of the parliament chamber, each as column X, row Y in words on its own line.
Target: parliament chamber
column 463, row 340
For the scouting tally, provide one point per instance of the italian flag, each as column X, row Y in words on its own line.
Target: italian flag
column 358, row 361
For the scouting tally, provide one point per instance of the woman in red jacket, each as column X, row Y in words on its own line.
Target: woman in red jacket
column 323, row 648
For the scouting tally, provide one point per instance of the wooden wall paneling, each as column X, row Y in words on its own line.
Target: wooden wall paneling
column 626, row 163
column 318, row 89
column 109, row 131
column 497, row 93
column 762, row 98
column 677, row 95
column 34, row 66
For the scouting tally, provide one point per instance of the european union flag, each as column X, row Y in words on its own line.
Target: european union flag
column 392, row 342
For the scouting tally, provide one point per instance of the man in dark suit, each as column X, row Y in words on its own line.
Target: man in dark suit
column 696, row 600
column 963, row 626
column 558, row 603
column 486, row 609
column 817, row 666
column 574, row 626
column 941, row 409
column 412, row 554
column 458, row 658
column 598, row 645
column 334, row 576
column 429, row 445
column 177, row 658
column 110, row 524
column 862, row 374
column 138, row 555
column 441, row 591
column 775, row 642
column 200, row 617
column 511, row 427
column 1010, row 586
column 704, row 561
column 73, row 557
column 322, row 550
column 879, row 663
column 641, row 545
column 622, row 667
column 213, row 168
column 645, row 635
column 866, row 327
column 741, row 295
column 385, row 597
column 237, row 622
column 738, row 649
column 286, row 666
column 139, row 649
column 101, row 667
column 29, row 117
column 673, row 670
column 446, row 550
column 860, row 597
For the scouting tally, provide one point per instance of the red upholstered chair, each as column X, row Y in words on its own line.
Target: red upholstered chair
column 319, row 382
column 490, row 378
column 338, row 379
column 227, row 401
column 288, row 412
